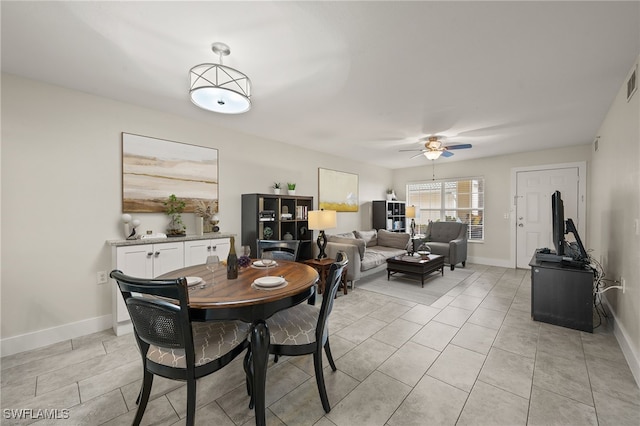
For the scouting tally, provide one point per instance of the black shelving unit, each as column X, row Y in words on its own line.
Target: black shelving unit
column 266, row 217
column 389, row 215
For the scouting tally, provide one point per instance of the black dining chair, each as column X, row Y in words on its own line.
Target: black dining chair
column 281, row 249
column 303, row 329
column 170, row 343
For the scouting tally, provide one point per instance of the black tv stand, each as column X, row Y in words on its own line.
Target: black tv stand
column 562, row 294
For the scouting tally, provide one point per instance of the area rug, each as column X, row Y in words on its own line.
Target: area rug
column 408, row 288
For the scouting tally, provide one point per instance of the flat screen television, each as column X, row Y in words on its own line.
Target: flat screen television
column 560, row 228
column 557, row 212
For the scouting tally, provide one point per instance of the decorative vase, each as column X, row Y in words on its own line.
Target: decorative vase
column 287, row 236
column 199, row 225
column 276, row 191
column 175, row 229
column 292, row 192
column 389, row 197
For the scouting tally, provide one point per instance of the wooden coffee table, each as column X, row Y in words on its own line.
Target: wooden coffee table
column 416, row 266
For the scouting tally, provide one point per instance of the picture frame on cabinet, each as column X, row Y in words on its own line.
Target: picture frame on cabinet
column 153, row 168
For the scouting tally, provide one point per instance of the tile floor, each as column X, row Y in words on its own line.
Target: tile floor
column 473, row 357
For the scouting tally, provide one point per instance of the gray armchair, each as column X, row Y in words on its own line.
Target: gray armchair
column 448, row 239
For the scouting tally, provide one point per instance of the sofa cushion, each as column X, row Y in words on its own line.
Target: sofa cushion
column 372, row 258
column 370, row 237
column 378, row 255
column 349, row 240
column 346, row 235
column 397, row 240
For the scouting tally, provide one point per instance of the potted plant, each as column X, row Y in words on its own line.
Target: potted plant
column 291, row 188
column 174, row 208
column 276, row 188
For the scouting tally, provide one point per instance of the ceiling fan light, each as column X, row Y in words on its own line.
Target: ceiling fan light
column 433, row 155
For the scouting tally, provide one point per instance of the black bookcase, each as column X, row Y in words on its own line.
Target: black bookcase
column 389, row 215
column 277, row 217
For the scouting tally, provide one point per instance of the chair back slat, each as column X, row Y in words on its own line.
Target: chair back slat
column 162, row 320
column 281, row 249
column 157, row 322
column 331, row 288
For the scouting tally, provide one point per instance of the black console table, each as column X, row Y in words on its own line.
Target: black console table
column 562, row 294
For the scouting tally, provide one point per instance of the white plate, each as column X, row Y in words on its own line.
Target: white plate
column 259, row 264
column 268, row 281
column 193, row 281
column 257, row 287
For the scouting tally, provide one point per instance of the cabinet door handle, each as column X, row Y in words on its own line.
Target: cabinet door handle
column 214, row 248
column 209, row 248
column 150, row 254
column 157, row 253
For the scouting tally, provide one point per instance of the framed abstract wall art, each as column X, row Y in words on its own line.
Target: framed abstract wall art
column 153, row 169
column 337, row 190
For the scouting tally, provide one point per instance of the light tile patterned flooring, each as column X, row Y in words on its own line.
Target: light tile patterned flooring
column 474, row 357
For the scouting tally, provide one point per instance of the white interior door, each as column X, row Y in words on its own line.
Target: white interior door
column 533, row 207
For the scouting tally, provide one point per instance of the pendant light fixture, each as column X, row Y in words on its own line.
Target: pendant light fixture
column 218, row 88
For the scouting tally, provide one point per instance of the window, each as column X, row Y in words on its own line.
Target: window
column 460, row 200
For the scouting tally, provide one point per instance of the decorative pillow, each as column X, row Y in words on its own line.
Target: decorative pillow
column 369, row 237
column 397, row 240
column 349, row 240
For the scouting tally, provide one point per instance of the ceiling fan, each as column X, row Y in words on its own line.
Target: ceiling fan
column 433, row 148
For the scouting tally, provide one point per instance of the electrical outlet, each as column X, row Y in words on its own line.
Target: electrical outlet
column 101, row 277
column 623, row 284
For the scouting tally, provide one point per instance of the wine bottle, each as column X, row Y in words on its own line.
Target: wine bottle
column 232, row 261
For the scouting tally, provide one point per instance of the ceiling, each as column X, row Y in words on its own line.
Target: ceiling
column 360, row 80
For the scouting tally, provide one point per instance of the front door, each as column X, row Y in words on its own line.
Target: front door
column 533, row 207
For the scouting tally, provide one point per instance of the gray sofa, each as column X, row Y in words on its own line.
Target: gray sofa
column 368, row 251
column 448, row 239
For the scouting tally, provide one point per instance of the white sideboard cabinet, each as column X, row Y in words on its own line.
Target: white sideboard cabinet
column 151, row 258
column 197, row 251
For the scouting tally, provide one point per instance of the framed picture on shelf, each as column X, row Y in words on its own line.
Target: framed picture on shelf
column 337, row 190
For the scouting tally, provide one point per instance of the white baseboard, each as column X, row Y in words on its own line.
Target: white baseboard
column 632, row 357
column 49, row 336
column 490, row 262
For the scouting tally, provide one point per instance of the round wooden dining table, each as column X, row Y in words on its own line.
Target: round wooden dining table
column 219, row 298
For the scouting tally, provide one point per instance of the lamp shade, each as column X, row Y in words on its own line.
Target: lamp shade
column 322, row 219
column 433, row 155
column 410, row 212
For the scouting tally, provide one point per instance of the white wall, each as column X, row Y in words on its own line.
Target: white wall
column 496, row 248
column 614, row 207
column 61, row 196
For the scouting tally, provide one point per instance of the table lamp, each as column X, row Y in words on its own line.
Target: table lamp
column 320, row 220
column 411, row 213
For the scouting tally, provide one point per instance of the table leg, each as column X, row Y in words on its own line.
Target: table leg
column 260, row 355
